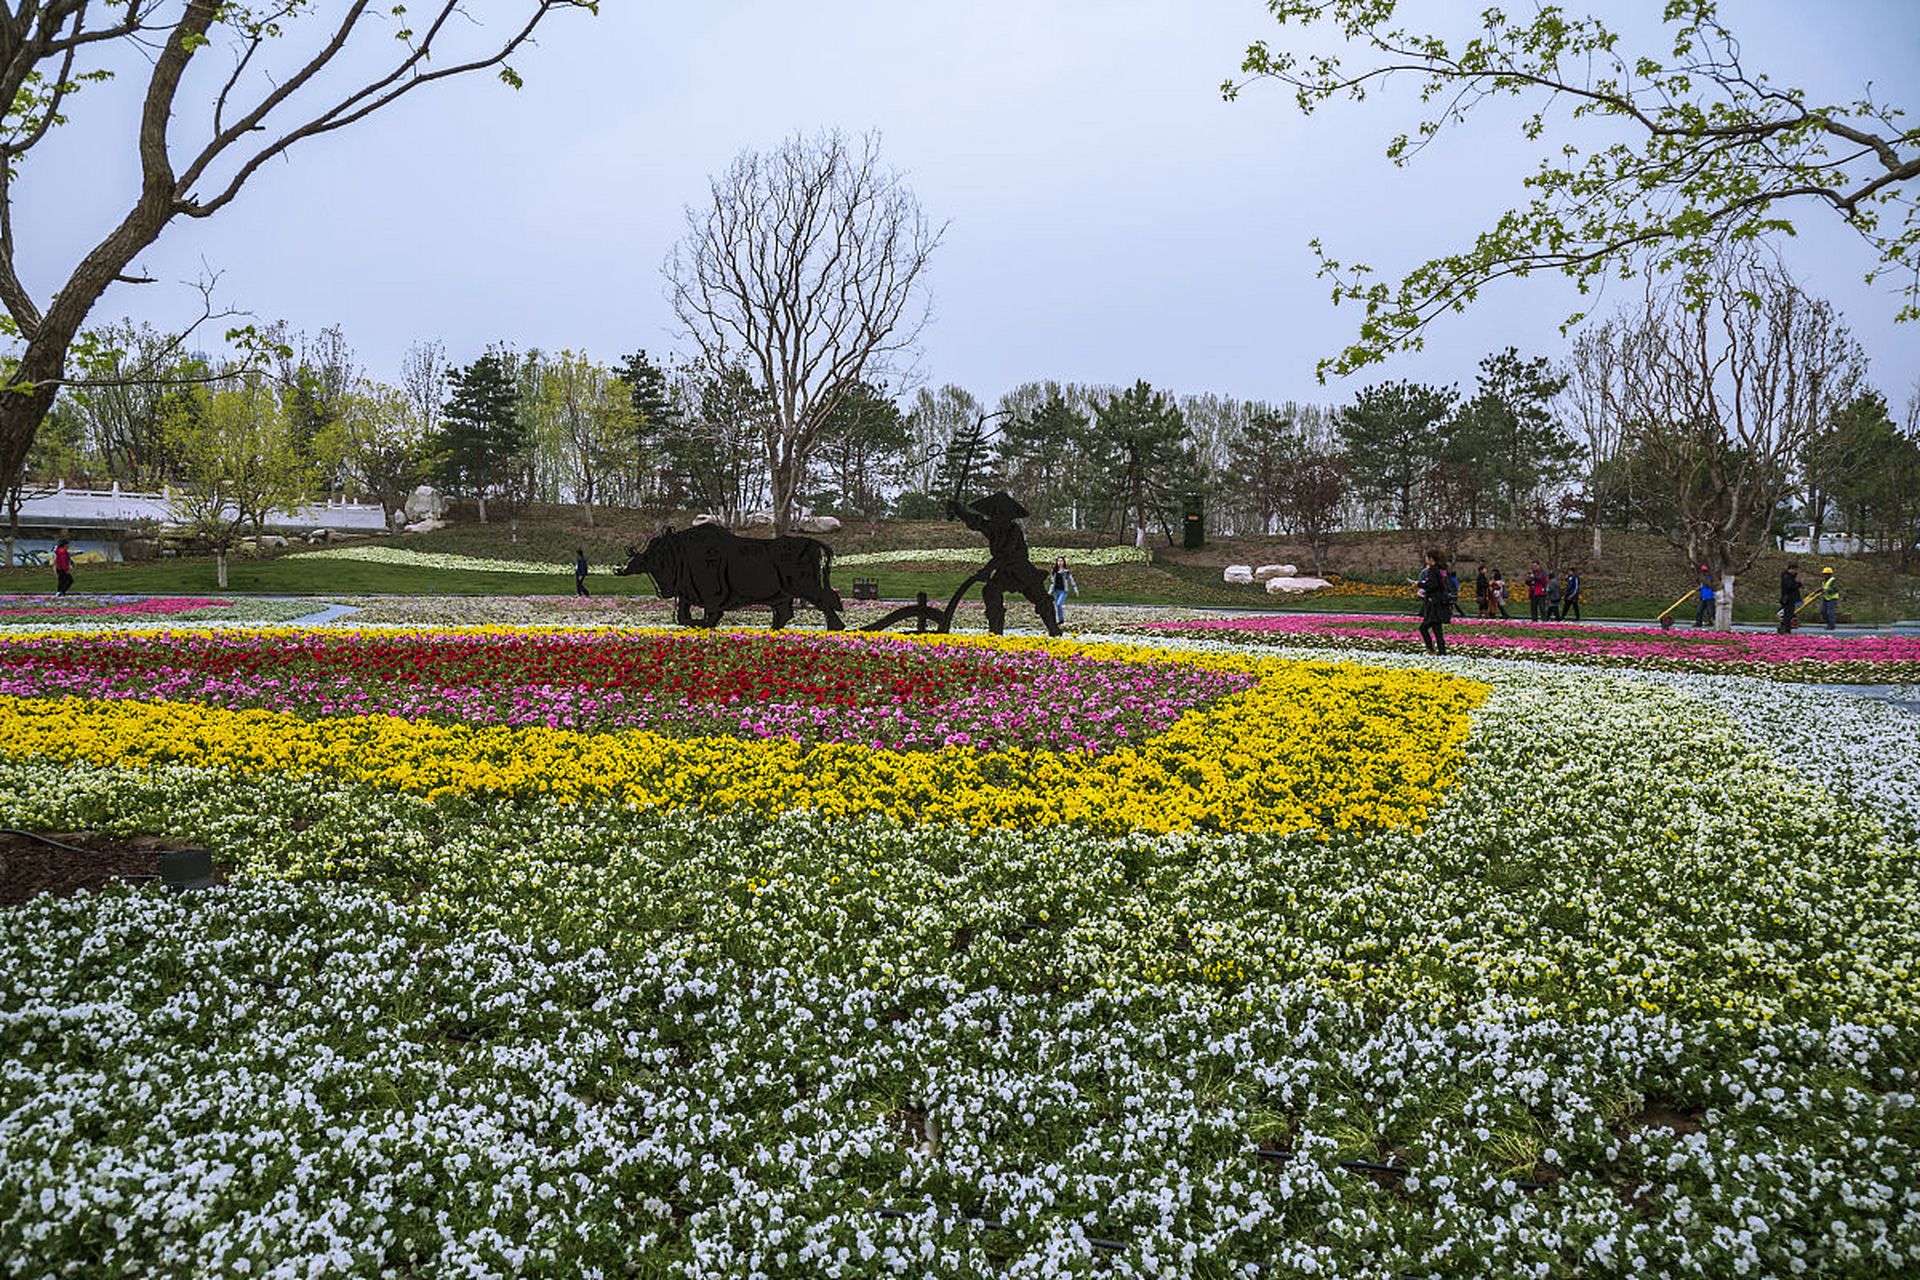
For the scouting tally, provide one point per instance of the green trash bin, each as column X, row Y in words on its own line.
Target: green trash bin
column 1193, row 524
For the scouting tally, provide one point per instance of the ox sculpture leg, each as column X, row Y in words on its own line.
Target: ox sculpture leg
column 782, row 613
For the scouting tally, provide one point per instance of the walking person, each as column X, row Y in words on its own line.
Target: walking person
column 1553, row 598
column 1537, row 592
column 1060, row 582
column 580, row 572
column 1829, row 597
column 1703, row 614
column 1436, row 606
column 1497, row 594
column 1483, row 592
column 1570, row 597
column 62, row 568
column 1790, row 596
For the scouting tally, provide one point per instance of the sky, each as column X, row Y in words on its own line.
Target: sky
column 1108, row 216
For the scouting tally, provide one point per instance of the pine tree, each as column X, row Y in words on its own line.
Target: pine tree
column 1140, row 439
column 656, row 421
column 1390, row 436
column 1042, row 454
column 968, row 468
column 482, row 434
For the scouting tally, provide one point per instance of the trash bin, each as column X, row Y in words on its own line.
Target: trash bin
column 1194, row 523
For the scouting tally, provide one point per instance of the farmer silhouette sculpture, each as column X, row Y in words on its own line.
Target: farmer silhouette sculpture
column 997, row 517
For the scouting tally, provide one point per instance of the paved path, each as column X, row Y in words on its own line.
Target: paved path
column 1904, row 696
column 329, row 613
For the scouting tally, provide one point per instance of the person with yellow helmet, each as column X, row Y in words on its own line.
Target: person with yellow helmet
column 1829, row 597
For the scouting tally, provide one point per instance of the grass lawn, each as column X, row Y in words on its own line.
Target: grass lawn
column 1160, row 583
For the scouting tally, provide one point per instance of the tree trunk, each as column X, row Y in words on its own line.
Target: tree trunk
column 1723, row 604
column 220, row 567
column 785, row 479
column 1596, row 538
column 481, row 502
column 587, row 507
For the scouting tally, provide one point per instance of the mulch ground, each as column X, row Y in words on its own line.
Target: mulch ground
column 29, row 867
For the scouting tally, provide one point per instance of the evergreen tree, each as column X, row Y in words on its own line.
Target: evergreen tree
column 968, row 467
column 1506, row 440
column 716, row 453
column 1043, row 454
column 1140, row 439
column 656, row 420
column 1390, row 438
column 482, row 435
column 1257, row 459
column 861, row 451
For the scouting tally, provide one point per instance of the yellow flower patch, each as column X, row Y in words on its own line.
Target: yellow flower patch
column 1312, row 745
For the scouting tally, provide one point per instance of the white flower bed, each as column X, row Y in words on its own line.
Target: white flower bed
column 1639, row 1000
column 408, row 559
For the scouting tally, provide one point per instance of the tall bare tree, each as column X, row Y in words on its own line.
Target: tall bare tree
column 1722, row 395
column 290, row 70
column 1590, row 402
column 806, row 264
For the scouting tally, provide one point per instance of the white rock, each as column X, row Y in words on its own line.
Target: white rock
column 816, row 524
column 424, row 503
column 1238, row 574
column 1289, row 571
column 754, row 519
column 425, row 526
column 273, row 541
column 1294, row 586
column 704, row 518
column 1266, row 571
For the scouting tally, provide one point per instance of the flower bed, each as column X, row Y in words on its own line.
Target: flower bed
column 1077, row 557
column 44, row 609
column 1007, row 733
column 1633, row 995
column 1848, row 659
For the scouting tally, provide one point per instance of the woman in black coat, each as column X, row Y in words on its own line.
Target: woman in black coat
column 1436, row 603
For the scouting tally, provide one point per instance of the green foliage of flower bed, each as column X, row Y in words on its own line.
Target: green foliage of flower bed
column 1640, row 998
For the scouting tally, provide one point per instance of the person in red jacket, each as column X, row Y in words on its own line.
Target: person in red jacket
column 1537, row 592
column 62, row 568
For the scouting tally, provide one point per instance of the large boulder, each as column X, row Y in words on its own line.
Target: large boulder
column 1239, row 575
column 424, row 503
column 816, row 524
column 1291, row 585
column 425, row 526
column 273, row 542
column 755, row 520
column 1266, row 571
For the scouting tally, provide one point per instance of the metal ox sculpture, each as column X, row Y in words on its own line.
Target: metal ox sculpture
column 712, row 567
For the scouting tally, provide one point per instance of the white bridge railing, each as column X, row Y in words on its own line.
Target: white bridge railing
column 64, row 508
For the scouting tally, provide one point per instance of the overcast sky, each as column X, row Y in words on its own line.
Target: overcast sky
column 1110, row 217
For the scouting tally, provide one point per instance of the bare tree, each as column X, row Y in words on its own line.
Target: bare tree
column 423, row 380
column 806, row 264
column 1722, row 396
column 1590, row 403
column 273, row 95
column 1313, row 489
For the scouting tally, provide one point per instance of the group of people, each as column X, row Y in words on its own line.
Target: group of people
column 1792, row 598
column 1550, row 597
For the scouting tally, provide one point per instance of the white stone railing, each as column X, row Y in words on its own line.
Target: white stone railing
column 64, row 508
